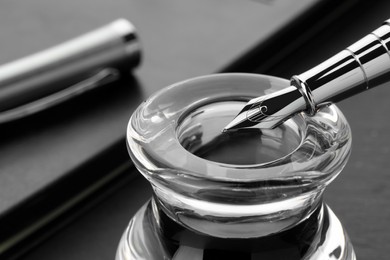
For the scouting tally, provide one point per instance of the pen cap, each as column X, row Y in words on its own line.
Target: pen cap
column 25, row 80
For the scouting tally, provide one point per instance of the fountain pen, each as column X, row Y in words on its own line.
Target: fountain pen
column 363, row 65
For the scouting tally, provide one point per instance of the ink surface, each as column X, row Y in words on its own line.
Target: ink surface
column 200, row 133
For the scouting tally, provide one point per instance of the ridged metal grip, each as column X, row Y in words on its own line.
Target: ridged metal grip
column 363, row 65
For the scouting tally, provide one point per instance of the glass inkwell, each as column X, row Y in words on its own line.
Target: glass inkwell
column 254, row 193
column 249, row 194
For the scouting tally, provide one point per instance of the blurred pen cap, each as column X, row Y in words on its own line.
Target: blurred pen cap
column 46, row 78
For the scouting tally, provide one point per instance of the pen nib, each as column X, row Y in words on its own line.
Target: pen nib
column 241, row 120
column 268, row 111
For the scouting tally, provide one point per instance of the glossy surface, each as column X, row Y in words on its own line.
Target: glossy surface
column 276, row 184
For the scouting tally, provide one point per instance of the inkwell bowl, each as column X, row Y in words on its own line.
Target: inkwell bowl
column 248, row 194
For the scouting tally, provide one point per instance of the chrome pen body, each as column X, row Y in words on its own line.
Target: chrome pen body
column 363, row 65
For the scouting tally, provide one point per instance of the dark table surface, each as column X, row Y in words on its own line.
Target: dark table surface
column 181, row 39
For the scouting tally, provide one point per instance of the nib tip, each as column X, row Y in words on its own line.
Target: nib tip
column 225, row 130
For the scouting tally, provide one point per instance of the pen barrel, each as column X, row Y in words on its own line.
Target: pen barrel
column 112, row 46
column 363, row 65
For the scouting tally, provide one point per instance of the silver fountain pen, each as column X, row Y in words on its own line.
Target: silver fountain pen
column 363, row 65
